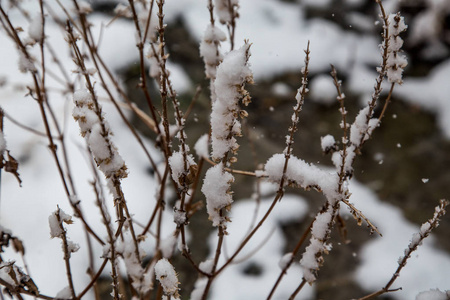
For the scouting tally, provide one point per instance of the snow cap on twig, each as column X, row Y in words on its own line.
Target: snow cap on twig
column 166, row 275
column 216, row 188
column 95, row 130
column 232, row 74
column 396, row 62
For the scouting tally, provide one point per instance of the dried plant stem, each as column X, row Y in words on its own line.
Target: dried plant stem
column 17, row 291
column 291, row 261
column 66, row 253
column 40, row 97
column 234, row 171
column 299, row 288
column 143, row 82
column 163, row 78
column 343, row 111
column 381, row 73
column 111, row 239
column 94, row 279
column 250, row 235
column 216, row 260
column 359, row 215
column 440, row 210
column 98, row 62
column 231, row 26
column 386, row 103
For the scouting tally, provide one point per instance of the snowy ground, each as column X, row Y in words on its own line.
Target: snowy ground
column 279, row 33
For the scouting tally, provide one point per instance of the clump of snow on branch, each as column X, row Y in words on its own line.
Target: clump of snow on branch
column 166, row 275
column 327, row 143
column 360, row 130
column 122, row 10
column 396, row 62
column 152, row 24
column 26, row 63
column 178, row 167
column 207, row 265
column 312, row 257
column 134, row 269
column 433, row 294
column 225, row 10
column 301, row 173
column 209, row 49
column 284, row 261
column 16, row 277
column 201, row 147
column 36, row 29
column 154, row 57
column 232, row 74
column 216, row 188
column 96, row 131
column 199, row 289
column 2, row 143
column 55, row 221
column 167, row 245
column 425, row 229
column 65, row 293
column 84, row 7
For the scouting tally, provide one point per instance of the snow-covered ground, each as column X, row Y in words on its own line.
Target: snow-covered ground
column 279, row 32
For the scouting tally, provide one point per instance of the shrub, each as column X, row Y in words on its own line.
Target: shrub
column 141, row 240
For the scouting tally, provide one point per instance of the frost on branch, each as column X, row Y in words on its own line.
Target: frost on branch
column 167, row 277
column 232, row 74
column 396, row 62
column 95, row 130
column 216, row 188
